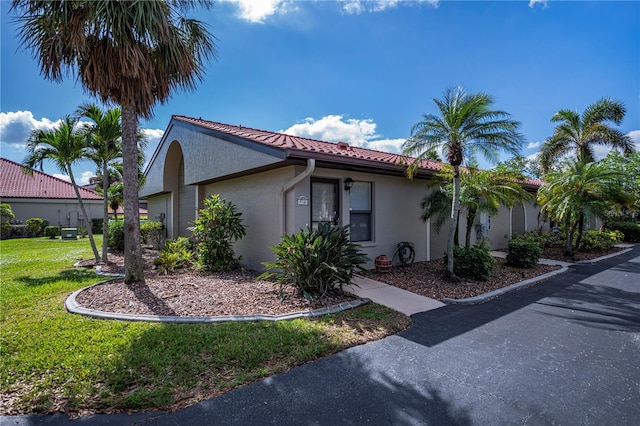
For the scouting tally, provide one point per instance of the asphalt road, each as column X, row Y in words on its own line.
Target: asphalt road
column 564, row 352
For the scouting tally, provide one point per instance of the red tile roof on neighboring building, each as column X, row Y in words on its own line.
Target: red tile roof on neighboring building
column 299, row 146
column 14, row 183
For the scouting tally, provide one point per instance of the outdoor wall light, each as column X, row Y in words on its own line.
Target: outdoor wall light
column 348, row 183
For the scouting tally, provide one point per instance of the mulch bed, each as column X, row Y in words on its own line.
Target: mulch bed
column 191, row 293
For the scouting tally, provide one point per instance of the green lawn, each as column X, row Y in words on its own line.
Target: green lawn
column 51, row 360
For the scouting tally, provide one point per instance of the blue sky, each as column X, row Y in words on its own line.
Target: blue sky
column 365, row 71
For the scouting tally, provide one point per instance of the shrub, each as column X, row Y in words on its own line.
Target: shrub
column 316, row 261
column 82, row 231
column 472, row 262
column 593, row 239
column 116, row 235
column 524, row 254
column 34, row 226
column 52, row 231
column 18, row 231
column 218, row 225
column 151, row 232
column 630, row 230
column 177, row 254
column 5, row 230
column 96, row 225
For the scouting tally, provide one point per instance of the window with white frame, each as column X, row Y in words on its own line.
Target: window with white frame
column 361, row 211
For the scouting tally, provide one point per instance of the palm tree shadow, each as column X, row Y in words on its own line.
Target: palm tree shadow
column 75, row 275
column 145, row 295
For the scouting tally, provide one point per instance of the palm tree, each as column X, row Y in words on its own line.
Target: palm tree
column 580, row 133
column 134, row 54
column 62, row 146
column 465, row 125
column 103, row 139
column 480, row 191
column 577, row 189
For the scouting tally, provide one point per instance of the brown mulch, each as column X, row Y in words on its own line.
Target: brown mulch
column 191, row 293
column 429, row 278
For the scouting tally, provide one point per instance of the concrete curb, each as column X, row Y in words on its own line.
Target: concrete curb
column 513, row 287
column 73, row 307
column 499, row 292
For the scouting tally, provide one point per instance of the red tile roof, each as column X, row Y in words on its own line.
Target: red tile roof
column 301, row 147
column 14, row 183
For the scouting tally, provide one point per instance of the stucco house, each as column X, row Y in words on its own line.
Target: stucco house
column 44, row 196
column 282, row 183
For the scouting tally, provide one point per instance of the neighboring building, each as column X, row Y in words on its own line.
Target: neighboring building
column 282, row 183
column 44, row 196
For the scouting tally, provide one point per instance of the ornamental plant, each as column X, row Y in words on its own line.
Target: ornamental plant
column 218, row 226
column 177, row 254
column 523, row 253
column 473, row 262
column 34, row 226
column 315, row 261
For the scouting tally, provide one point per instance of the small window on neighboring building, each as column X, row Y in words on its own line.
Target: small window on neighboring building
column 360, row 206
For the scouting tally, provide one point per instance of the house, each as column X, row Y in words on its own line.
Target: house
column 282, row 183
column 44, row 196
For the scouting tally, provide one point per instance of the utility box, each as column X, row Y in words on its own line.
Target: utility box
column 69, row 234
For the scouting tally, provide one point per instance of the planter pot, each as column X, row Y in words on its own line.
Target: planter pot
column 383, row 263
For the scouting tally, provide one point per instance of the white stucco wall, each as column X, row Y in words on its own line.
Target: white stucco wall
column 57, row 211
column 259, row 198
column 205, row 157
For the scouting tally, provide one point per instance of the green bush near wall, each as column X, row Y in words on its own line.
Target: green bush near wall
column 52, row 231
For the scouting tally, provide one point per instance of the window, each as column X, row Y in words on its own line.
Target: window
column 360, row 208
column 324, row 202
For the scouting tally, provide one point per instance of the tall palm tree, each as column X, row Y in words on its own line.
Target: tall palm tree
column 465, row 125
column 578, row 189
column 63, row 147
column 134, row 54
column 579, row 134
column 105, row 146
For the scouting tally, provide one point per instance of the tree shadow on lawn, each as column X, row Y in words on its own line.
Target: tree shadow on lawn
column 76, row 275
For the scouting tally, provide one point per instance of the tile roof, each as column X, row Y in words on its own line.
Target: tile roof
column 14, row 183
column 301, row 147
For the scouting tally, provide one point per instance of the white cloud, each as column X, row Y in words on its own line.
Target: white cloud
column 84, row 178
column 387, row 145
column 336, row 128
column 533, row 145
column 542, row 3
column 356, row 7
column 635, row 137
column 15, row 127
column 258, row 10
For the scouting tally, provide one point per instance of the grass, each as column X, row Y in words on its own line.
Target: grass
column 53, row 361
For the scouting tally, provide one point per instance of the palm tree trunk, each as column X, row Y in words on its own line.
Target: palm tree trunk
column 133, row 264
column 456, row 236
column 570, row 251
column 84, row 214
column 105, row 210
column 455, row 209
column 580, row 226
column 471, row 217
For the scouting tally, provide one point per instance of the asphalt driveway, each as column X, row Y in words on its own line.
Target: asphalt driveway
column 566, row 352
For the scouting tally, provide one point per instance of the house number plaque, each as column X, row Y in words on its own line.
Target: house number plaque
column 303, row 201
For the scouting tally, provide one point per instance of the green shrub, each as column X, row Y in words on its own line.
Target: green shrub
column 18, row 231
column 96, row 225
column 472, row 262
column 316, row 261
column 524, row 254
column 177, row 254
column 630, row 230
column 217, row 227
column 34, row 226
column 82, row 231
column 593, row 239
column 5, row 230
column 52, row 231
column 116, row 235
column 151, row 232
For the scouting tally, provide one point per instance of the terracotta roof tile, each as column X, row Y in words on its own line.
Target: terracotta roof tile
column 14, row 183
column 297, row 143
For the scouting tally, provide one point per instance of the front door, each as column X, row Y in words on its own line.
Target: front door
column 324, row 202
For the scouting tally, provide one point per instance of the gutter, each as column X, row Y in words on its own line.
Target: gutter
column 311, row 166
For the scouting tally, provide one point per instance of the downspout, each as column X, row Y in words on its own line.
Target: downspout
column 510, row 223
column 311, row 166
column 524, row 209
